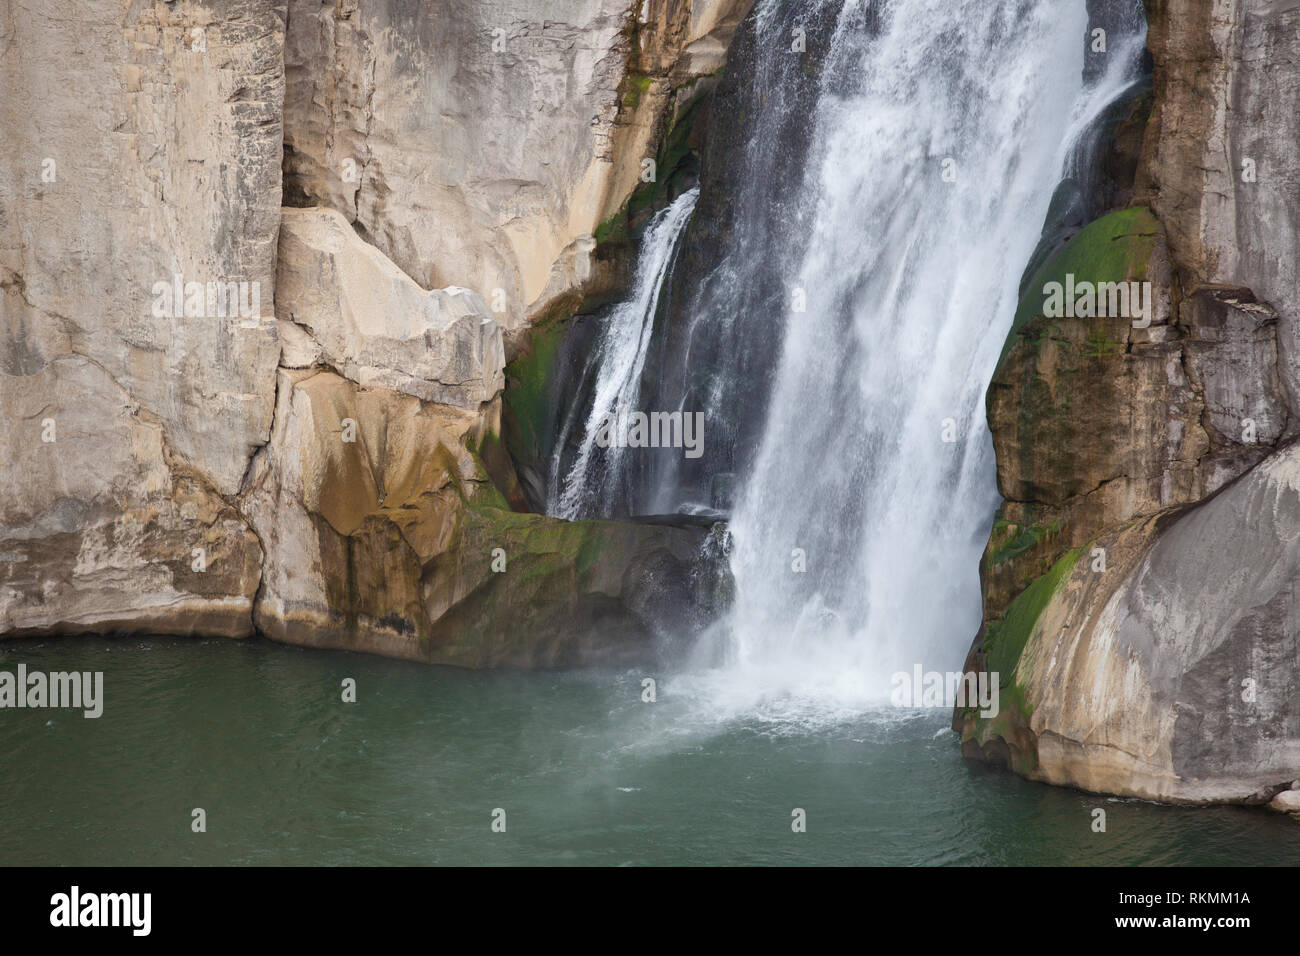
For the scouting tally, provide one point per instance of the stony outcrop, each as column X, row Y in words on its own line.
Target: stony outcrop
column 385, row 533
column 1096, row 421
column 141, row 156
column 1220, row 152
column 571, row 593
column 382, row 499
column 1174, row 672
column 1136, row 574
column 374, row 325
column 222, row 414
column 102, row 527
column 482, row 143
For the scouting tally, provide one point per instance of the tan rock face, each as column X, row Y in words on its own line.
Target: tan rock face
column 379, row 509
column 141, row 151
column 355, row 491
column 374, row 324
column 142, row 142
column 110, row 532
column 481, row 143
column 396, row 542
column 1172, row 673
column 146, row 351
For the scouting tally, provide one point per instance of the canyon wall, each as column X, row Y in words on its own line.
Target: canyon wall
column 260, row 265
column 1138, row 580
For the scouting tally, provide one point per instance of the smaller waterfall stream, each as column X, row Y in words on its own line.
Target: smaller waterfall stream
column 596, row 472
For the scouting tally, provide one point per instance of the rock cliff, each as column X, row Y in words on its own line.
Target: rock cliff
column 260, row 261
column 482, row 143
column 1136, row 595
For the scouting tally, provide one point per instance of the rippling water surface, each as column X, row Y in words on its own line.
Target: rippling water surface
column 256, row 734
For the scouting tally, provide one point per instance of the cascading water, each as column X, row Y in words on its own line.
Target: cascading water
column 888, row 264
column 596, row 473
column 930, row 177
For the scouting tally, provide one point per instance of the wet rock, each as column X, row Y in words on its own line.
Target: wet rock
column 398, row 543
column 1287, row 801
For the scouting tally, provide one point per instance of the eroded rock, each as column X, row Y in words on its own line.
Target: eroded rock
column 373, row 324
column 1220, row 152
column 1173, row 673
column 141, row 153
column 398, row 543
column 111, row 532
column 481, row 143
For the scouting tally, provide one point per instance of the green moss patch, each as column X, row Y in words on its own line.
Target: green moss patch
column 674, row 150
column 1007, row 737
column 530, row 419
column 526, row 537
column 613, row 229
column 634, row 86
column 1004, row 641
column 1115, row 248
column 1010, row 541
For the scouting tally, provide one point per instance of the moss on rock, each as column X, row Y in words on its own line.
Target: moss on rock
column 1009, row 541
column 1114, row 248
column 1004, row 640
column 529, row 590
column 1006, row 738
column 529, row 416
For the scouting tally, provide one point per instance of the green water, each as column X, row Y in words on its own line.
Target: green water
column 257, row 735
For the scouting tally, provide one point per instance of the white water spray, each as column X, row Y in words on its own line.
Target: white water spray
column 624, row 340
column 931, row 177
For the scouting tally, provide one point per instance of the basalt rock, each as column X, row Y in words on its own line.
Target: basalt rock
column 399, row 543
column 1174, row 672
column 215, row 418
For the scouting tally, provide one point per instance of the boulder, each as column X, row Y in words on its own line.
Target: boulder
column 1174, row 673
column 1288, row 801
column 374, row 325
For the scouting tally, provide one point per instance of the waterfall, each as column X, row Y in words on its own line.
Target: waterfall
column 889, row 194
column 859, row 532
column 596, row 473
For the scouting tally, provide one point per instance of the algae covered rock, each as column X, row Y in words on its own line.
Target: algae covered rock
column 526, row 590
column 1094, row 418
column 384, row 532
